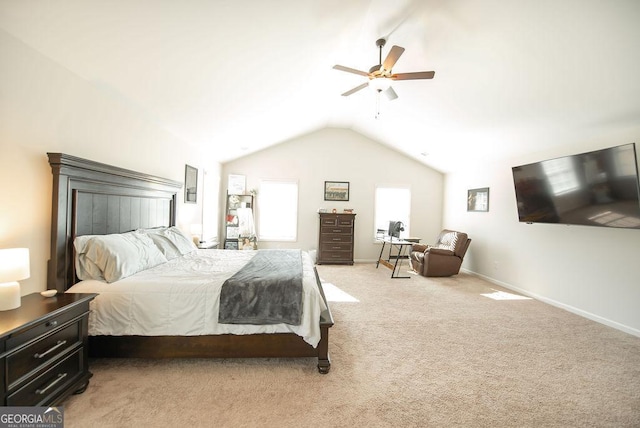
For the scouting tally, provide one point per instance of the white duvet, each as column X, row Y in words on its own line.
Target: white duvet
column 182, row 298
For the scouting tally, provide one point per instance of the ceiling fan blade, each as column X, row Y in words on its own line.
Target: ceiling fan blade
column 356, row 89
column 413, row 76
column 350, row 70
column 390, row 93
column 392, row 57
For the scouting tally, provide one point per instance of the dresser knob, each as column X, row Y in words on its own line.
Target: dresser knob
column 52, row 323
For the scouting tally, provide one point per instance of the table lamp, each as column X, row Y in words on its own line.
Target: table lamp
column 14, row 267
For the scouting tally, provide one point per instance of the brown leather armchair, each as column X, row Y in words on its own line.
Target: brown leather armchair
column 444, row 258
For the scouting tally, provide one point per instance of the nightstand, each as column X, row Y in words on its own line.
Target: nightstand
column 43, row 349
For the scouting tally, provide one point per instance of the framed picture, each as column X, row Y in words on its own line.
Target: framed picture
column 233, row 232
column 230, row 244
column 236, row 184
column 336, row 190
column 248, row 242
column 478, row 199
column 190, row 185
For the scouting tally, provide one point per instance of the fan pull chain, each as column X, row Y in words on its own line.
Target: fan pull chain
column 377, row 104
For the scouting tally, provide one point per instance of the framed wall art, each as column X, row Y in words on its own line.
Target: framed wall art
column 478, row 199
column 336, row 190
column 190, row 185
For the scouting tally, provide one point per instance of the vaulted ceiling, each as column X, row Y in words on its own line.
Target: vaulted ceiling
column 235, row 76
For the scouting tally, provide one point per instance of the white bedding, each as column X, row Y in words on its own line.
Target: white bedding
column 181, row 298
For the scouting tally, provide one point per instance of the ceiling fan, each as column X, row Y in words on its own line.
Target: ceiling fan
column 380, row 75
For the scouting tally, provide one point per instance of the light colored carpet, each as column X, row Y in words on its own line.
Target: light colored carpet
column 405, row 353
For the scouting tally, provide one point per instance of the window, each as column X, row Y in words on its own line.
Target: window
column 392, row 204
column 278, row 210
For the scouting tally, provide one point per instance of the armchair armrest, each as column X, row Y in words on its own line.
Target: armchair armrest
column 440, row 251
column 420, row 248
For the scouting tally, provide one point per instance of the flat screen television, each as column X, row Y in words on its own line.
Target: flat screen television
column 598, row 188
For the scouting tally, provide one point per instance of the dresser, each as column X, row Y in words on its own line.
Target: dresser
column 335, row 242
column 43, row 349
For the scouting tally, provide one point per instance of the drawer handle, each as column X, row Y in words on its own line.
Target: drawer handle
column 337, row 239
column 52, row 323
column 52, row 384
column 335, row 248
column 56, row 346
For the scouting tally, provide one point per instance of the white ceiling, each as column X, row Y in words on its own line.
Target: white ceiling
column 235, row 76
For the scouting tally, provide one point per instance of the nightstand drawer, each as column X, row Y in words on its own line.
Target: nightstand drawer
column 49, row 384
column 40, row 352
column 44, row 327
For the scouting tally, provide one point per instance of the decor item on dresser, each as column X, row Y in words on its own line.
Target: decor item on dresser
column 181, row 313
column 444, row 258
column 478, row 199
column 190, row 184
column 336, row 190
column 14, row 267
column 336, row 238
column 44, row 350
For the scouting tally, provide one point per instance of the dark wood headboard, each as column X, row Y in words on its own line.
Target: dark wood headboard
column 91, row 198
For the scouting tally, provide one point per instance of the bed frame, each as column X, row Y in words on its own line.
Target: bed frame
column 91, row 198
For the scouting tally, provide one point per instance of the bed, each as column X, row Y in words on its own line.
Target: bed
column 94, row 199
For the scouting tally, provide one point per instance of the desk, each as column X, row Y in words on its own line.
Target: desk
column 400, row 246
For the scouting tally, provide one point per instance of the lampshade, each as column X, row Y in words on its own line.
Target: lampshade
column 14, row 266
column 380, row 84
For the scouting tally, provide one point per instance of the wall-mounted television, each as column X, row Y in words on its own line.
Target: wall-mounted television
column 598, row 188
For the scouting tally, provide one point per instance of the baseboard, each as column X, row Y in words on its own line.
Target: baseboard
column 572, row 309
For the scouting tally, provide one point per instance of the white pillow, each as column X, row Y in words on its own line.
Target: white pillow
column 121, row 255
column 85, row 268
column 170, row 241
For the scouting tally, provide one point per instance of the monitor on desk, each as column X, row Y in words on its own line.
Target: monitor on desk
column 395, row 227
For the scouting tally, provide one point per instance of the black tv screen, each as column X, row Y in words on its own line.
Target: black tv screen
column 598, row 188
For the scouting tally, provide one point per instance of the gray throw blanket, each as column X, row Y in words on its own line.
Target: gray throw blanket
column 267, row 290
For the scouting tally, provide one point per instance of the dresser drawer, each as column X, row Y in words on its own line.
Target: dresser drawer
column 338, row 246
column 345, row 221
column 337, row 255
column 336, row 229
column 42, row 351
column 329, row 220
column 327, row 238
column 49, row 384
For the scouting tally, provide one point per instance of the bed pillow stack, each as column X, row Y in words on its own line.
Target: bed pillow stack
column 170, row 241
column 119, row 255
column 116, row 256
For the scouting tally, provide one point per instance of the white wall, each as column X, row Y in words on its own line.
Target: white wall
column 45, row 108
column 343, row 155
column 592, row 271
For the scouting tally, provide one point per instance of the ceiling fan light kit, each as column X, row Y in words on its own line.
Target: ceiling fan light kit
column 380, row 75
column 380, row 84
